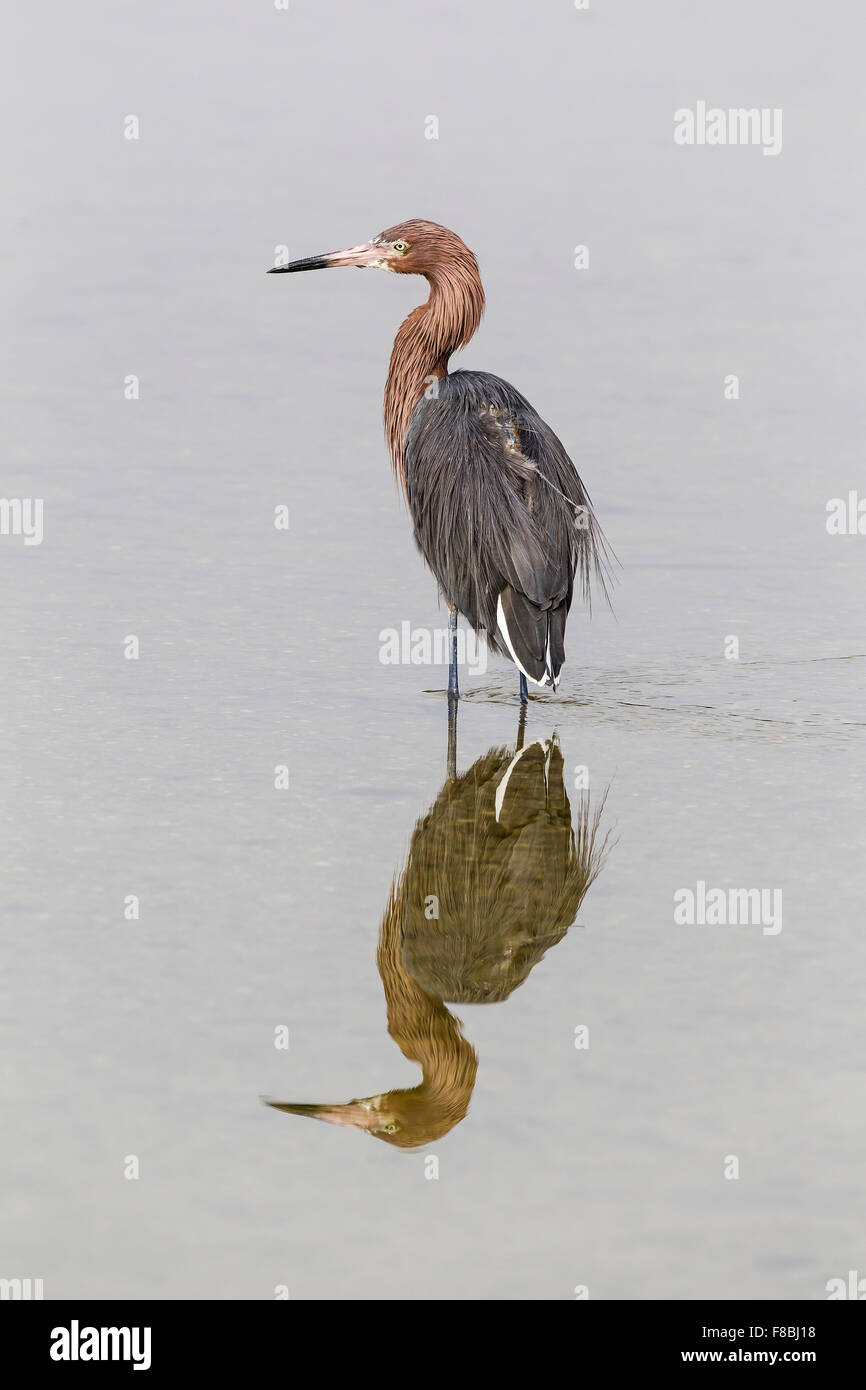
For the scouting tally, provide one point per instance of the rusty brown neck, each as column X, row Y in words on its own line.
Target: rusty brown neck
column 424, row 343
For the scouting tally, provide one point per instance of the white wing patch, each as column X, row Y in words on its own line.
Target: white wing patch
column 503, row 628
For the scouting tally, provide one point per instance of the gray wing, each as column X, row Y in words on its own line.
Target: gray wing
column 501, row 517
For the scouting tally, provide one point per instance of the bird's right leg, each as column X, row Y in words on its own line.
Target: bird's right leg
column 524, row 690
column 453, row 690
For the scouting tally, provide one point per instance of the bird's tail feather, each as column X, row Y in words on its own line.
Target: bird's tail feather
column 533, row 636
column 556, row 641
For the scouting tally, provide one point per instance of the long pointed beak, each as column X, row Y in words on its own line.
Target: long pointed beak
column 351, row 1114
column 368, row 254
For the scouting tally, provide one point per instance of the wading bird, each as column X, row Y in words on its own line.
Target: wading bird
column 499, row 511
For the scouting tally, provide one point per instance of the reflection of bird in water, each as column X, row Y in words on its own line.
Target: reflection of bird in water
column 496, row 873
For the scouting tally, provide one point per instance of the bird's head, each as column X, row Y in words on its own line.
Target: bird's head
column 416, row 247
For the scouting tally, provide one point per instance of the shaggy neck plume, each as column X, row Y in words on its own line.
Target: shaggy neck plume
column 424, row 343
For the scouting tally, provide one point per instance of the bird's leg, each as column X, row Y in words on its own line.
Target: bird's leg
column 524, row 692
column 453, row 690
column 451, row 770
column 521, row 726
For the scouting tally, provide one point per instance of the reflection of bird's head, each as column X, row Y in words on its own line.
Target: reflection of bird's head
column 505, row 865
column 407, row 1119
column 376, row 1115
column 426, row 1033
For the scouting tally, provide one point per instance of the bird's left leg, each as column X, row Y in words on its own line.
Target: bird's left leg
column 451, row 765
column 524, row 691
column 521, row 727
column 453, row 690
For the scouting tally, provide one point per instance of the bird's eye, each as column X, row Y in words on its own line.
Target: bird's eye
column 391, row 1128
column 400, row 245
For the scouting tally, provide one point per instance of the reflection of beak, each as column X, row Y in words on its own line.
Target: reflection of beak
column 352, row 1114
column 368, row 254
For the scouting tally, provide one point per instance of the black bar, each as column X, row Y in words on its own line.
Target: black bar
column 287, row 1338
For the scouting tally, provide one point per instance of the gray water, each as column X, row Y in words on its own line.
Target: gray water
column 603, row 1167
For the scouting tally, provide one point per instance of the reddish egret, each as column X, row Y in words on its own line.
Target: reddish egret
column 499, row 511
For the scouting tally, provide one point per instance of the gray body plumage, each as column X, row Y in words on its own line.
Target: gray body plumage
column 501, row 516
